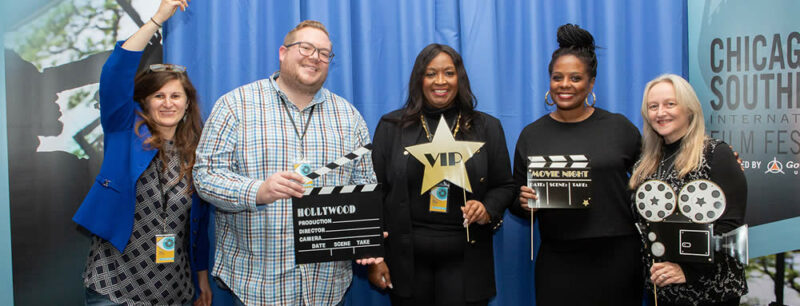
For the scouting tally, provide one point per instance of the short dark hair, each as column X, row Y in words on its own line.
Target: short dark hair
column 572, row 40
column 464, row 100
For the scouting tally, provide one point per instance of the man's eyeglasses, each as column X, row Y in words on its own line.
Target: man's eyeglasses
column 307, row 49
column 167, row 68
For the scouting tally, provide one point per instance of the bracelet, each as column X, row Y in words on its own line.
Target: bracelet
column 154, row 21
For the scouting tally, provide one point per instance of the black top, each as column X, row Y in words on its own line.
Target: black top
column 724, row 170
column 489, row 175
column 612, row 144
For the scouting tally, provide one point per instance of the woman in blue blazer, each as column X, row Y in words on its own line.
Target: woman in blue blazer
column 150, row 241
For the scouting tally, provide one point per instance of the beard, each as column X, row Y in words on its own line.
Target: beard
column 292, row 78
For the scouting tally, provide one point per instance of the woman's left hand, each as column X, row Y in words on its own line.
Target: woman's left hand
column 474, row 211
column 205, row 289
column 666, row 273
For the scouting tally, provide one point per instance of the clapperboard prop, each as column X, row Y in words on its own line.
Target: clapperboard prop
column 560, row 181
column 339, row 162
column 688, row 234
column 338, row 222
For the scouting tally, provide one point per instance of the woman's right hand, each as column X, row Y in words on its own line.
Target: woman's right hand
column 525, row 194
column 378, row 275
column 138, row 41
column 167, row 8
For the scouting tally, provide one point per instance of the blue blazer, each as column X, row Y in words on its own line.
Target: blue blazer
column 108, row 209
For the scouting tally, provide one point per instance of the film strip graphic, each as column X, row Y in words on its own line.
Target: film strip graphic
column 558, row 161
column 340, row 189
column 340, row 162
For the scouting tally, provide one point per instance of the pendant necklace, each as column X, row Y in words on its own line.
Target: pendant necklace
column 663, row 171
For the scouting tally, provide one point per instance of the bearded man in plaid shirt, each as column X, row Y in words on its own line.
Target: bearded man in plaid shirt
column 256, row 135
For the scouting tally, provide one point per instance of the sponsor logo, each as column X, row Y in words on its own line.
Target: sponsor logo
column 775, row 166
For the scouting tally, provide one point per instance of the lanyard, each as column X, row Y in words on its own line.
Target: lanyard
column 428, row 133
column 163, row 195
column 296, row 130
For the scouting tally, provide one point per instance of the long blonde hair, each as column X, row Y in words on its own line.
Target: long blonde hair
column 691, row 150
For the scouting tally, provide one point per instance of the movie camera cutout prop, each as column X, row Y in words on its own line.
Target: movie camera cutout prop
column 337, row 223
column 688, row 235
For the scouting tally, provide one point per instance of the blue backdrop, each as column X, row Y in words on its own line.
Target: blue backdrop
column 506, row 46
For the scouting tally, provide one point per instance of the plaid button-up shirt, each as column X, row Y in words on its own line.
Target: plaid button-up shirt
column 249, row 137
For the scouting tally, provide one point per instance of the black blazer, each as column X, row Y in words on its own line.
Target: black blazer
column 489, row 173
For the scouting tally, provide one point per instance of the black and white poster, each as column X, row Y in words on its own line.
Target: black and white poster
column 53, row 58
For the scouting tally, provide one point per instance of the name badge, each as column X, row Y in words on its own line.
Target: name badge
column 303, row 168
column 439, row 193
column 165, row 248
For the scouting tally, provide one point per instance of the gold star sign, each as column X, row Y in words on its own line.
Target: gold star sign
column 444, row 158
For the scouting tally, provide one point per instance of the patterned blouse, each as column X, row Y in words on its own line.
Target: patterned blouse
column 133, row 277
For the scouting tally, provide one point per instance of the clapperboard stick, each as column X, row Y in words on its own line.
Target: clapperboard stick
column 465, row 204
column 340, row 162
column 655, row 293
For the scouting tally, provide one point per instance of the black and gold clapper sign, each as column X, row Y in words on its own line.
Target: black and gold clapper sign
column 560, row 181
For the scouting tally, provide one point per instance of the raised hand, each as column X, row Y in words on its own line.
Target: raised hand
column 138, row 41
column 167, row 8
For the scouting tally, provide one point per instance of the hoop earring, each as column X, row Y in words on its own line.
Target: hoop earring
column 547, row 100
column 594, row 100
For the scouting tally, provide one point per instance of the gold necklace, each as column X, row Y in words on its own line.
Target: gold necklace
column 428, row 133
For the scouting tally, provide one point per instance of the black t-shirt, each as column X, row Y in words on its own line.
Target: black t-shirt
column 612, row 145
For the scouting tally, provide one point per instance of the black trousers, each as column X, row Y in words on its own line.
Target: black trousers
column 438, row 270
column 594, row 271
column 731, row 302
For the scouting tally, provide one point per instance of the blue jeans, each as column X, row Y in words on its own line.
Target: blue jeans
column 237, row 301
column 94, row 298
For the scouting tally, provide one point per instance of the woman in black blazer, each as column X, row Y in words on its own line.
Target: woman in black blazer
column 427, row 251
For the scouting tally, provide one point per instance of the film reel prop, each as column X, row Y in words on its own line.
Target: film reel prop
column 702, row 201
column 688, row 235
column 655, row 200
